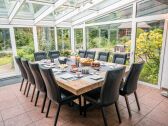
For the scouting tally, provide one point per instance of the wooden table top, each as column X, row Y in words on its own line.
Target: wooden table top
column 85, row 83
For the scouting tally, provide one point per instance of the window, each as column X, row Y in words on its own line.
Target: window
column 6, row 55
column 24, row 43
column 78, row 38
column 46, row 38
column 148, row 49
column 112, row 38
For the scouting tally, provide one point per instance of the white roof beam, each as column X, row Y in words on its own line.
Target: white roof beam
column 104, row 11
column 38, row 2
column 49, row 10
column 15, row 9
column 77, row 11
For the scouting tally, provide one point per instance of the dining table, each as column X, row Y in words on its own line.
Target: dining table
column 69, row 80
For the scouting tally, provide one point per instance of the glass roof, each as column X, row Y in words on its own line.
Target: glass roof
column 74, row 10
column 151, row 7
column 6, row 7
column 124, row 13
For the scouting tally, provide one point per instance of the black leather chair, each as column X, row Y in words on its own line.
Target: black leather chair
column 129, row 86
column 30, row 77
column 82, row 53
column 55, row 93
column 53, row 54
column 120, row 58
column 103, row 56
column 108, row 94
column 90, row 54
column 40, row 56
column 40, row 86
column 23, row 73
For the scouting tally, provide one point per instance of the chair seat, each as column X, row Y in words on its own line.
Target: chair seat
column 93, row 96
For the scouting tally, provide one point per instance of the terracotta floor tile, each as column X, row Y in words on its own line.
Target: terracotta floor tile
column 35, row 115
column 2, row 123
column 17, row 110
column 12, row 112
column 159, row 116
column 20, row 120
column 148, row 122
column 144, row 109
column 149, row 101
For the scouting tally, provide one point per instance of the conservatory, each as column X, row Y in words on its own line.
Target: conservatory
column 91, row 39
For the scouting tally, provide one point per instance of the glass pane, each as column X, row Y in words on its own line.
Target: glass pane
column 24, row 43
column 28, row 11
column 148, row 49
column 62, row 11
column 64, row 42
column 25, row 12
column 104, row 4
column 46, row 38
column 6, row 56
column 78, row 38
column 113, row 38
column 124, row 13
column 152, row 7
column 6, row 7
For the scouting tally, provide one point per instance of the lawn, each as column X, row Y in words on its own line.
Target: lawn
column 5, row 60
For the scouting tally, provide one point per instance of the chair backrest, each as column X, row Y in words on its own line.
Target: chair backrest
column 82, row 53
column 90, row 54
column 103, row 56
column 120, row 58
column 40, row 56
column 28, row 71
column 34, row 67
column 110, row 90
column 22, row 70
column 53, row 90
column 53, row 54
column 131, row 80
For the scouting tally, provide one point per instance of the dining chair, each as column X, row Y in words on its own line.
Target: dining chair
column 55, row 93
column 129, row 86
column 40, row 86
column 103, row 56
column 30, row 77
column 53, row 54
column 108, row 94
column 23, row 73
column 40, row 56
column 120, row 58
column 90, row 54
column 82, row 53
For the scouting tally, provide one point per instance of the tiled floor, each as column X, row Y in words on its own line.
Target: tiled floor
column 17, row 110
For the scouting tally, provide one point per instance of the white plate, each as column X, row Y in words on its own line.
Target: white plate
column 66, row 76
column 96, row 77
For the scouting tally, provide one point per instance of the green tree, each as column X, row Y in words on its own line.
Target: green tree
column 148, row 49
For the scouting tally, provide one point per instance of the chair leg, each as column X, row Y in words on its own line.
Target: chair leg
column 38, row 92
column 137, row 101
column 21, row 84
column 80, row 108
column 25, row 87
column 57, row 114
column 45, row 97
column 28, row 90
column 84, row 107
column 104, row 118
column 33, row 93
column 128, row 107
column 49, row 104
column 118, row 112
